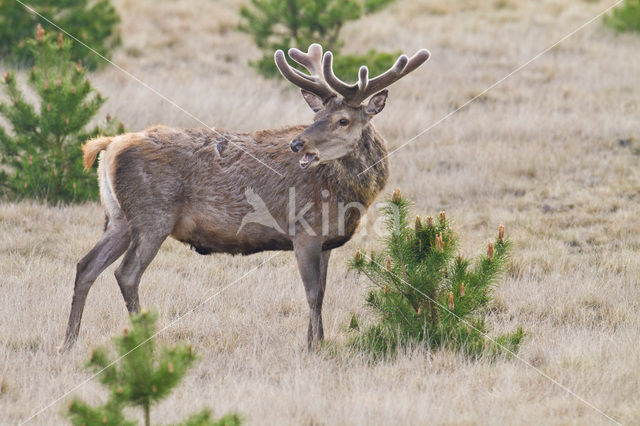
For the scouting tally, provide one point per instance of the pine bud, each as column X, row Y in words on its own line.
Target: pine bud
column 121, row 126
column 489, row 250
column 443, row 217
column 468, row 330
column 439, row 242
column 501, row 233
column 48, row 107
column 119, row 389
column 73, row 185
column 104, row 420
column 389, row 263
column 419, row 310
column 31, row 159
column 358, row 255
column 66, row 121
column 386, row 288
column 60, row 40
column 418, row 223
column 73, row 90
column 429, row 222
column 55, row 172
column 25, row 185
column 7, row 77
column 462, row 290
column 125, row 332
column 108, row 117
column 396, row 196
column 170, row 367
column 419, row 246
column 459, row 258
column 79, row 66
column 40, row 34
column 451, row 300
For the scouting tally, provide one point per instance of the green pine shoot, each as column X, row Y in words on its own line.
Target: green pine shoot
column 425, row 294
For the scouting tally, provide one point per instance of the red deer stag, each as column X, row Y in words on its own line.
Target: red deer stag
column 197, row 186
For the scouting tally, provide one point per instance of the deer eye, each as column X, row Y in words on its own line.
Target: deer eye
column 343, row 122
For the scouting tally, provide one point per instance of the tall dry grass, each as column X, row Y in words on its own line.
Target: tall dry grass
column 549, row 152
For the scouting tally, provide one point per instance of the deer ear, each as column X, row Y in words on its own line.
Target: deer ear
column 376, row 103
column 314, row 101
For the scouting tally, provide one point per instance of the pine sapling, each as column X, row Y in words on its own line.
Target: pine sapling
column 142, row 375
column 425, row 292
column 277, row 24
column 40, row 156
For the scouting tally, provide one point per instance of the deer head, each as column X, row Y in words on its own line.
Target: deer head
column 341, row 114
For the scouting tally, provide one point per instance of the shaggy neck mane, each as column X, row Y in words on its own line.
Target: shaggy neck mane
column 343, row 175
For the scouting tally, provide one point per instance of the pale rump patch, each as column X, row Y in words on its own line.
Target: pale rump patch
column 107, row 194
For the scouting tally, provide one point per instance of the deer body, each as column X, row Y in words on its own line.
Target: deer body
column 195, row 181
column 204, row 188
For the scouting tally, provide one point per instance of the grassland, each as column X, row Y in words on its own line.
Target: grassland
column 550, row 153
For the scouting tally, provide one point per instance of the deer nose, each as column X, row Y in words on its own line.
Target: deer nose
column 296, row 145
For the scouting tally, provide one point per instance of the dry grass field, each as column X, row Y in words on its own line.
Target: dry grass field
column 550, row 153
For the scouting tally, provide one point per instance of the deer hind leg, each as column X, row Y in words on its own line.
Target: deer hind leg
column 113, row 243
column 144, row 247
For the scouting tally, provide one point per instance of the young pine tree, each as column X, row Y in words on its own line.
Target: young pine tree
column 94, row 22
column 41, row 157
column 141, row 376
column 281, row 24
column 423, row 293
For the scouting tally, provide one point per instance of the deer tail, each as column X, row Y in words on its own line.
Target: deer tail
column 91, row 150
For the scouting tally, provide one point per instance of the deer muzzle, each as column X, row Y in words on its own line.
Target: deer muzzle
column 296, row 145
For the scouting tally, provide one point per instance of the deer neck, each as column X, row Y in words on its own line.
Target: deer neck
column 350, row 177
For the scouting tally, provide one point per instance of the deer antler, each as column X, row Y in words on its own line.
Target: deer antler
column 312, row 61
column 354, row 94
column 323, row 82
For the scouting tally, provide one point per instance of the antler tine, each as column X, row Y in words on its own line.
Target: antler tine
column 312, row 60
column 402, row 67
column 314, row 82
column 346, row 90
column 354, row 94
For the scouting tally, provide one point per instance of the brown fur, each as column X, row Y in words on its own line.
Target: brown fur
column 193, row 185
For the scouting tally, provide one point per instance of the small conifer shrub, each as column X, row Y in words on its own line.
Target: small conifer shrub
column 94, row 22
column 424, row 293
column 626, row 17
column 278, row 24
column 142, row 375
column 40, row 155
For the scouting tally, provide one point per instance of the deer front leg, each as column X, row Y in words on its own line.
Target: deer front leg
column 312, row 264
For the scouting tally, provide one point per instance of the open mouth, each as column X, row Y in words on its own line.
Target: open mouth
column 307, row 159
